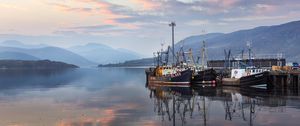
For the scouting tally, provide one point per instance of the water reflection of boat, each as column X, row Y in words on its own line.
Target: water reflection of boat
column 247, row 109
column 175, row 104
column 238, row 107
column 178, row 104
column 186, row 106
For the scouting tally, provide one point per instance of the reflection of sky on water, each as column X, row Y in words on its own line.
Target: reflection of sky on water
column 112, row 96
column 74, row 97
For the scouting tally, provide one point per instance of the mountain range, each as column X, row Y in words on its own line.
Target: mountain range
column 284, row 38
column 18, row 44
column 265, row 40
column 49, row 53
column 86, row 55
column 103, row 54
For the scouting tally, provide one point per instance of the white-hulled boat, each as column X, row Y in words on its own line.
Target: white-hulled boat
column 248, row 77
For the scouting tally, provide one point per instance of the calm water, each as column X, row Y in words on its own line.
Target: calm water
column 117, row 96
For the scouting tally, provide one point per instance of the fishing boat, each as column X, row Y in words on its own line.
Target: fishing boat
column 207, row 77
column 164, row 74
column 167, row 75
column 203, row 76
column 251, row 76
column 248, row 74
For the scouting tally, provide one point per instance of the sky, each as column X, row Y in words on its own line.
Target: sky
column 138, row 25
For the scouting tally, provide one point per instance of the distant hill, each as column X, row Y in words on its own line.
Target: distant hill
column 284, row 38
column 18, row 44
column 16, row 56
column 40, row 64
column 194, row 40
column 131, row 63
column 103, row 54
column 50, row 53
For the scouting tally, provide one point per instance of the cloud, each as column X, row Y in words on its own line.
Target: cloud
column 110, row 29
column 197, row 22
column 93, row 27
column 187, row 13
column 98, row 3
column 66, row 8
column 253, row 18
column 222, row 3
column 95, row 8
column 12, row 6
column 140, row 20
column 264, row 8
column 146, row 4
column 103, row 10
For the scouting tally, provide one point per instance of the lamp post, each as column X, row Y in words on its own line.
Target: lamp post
column 172, row 24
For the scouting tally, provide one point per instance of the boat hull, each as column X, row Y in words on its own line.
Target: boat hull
column 206, row 77
column 184, row 78
column 255, row 79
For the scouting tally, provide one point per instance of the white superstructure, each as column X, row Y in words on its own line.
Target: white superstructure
column 238, row 73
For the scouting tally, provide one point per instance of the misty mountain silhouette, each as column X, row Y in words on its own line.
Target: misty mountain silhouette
column 104, row 54
column 284, row 38
column 49, row 53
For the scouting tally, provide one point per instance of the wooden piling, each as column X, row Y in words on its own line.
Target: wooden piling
column 282, row 84
column 288, row 80
column 298, row 83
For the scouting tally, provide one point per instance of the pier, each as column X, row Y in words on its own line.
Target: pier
column 285, row 79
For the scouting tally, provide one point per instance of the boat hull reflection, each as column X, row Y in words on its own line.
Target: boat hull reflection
column 181, row 106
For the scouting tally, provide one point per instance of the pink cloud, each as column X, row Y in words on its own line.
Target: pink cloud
column 229, row 3
column 101, row 8
column 223, row 3
column 98, row 3
column 66, row 8
column 217, row 6
column 97, row 7
column 264, row 8
column 146, row 4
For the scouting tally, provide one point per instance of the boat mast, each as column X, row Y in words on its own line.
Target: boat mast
column 249, row 49
column 203, row 56
column 191, row 57
column 155, row 59
column 173, row 51
column 161, row 53
column 203, row 51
